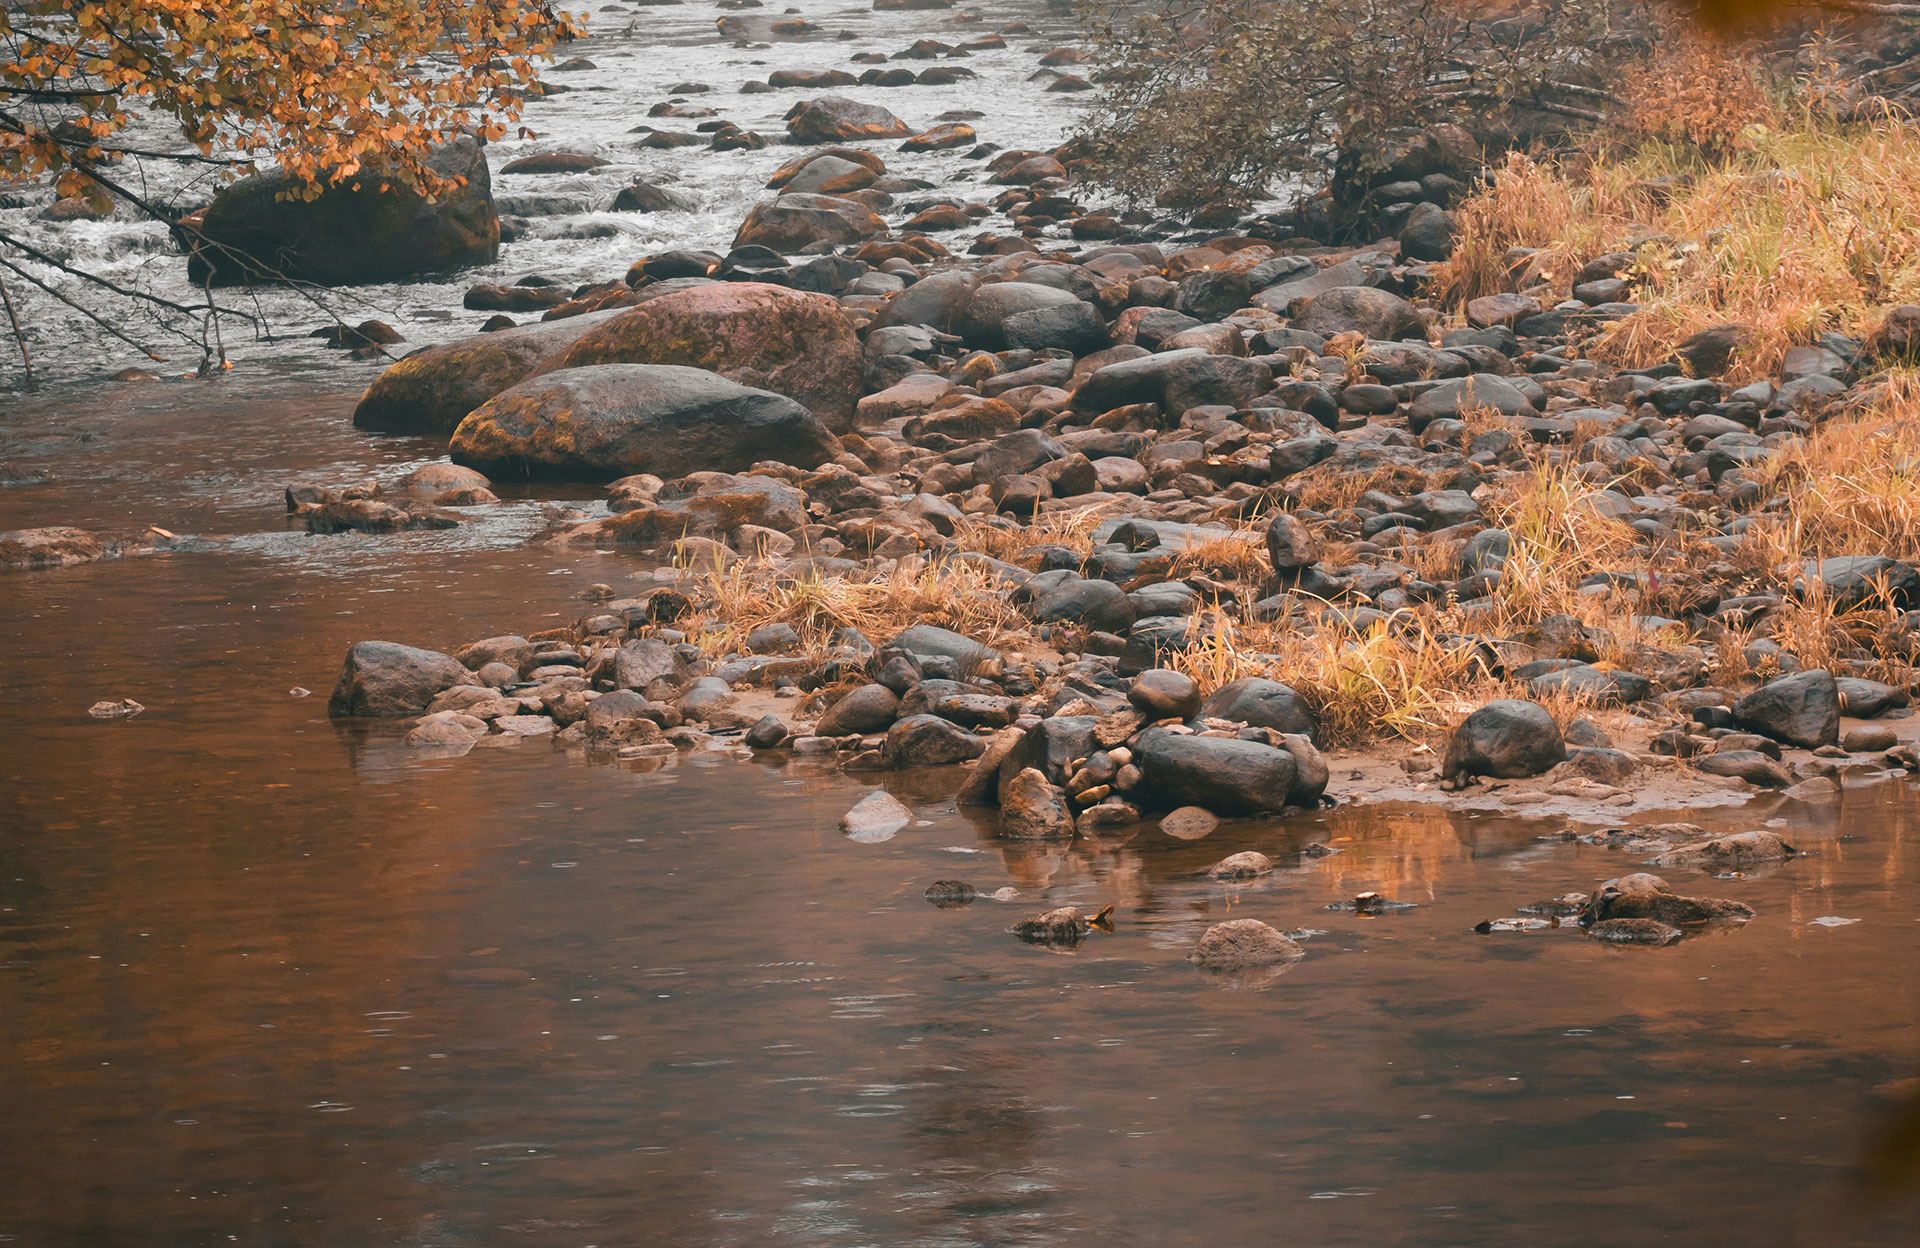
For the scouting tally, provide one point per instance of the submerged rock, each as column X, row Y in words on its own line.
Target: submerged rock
column 1635, row 932
column 1723, row 853
column 1244, row 945
column 875, row 817
column 951, row 894
column 1246, row 865
column 1065, row 926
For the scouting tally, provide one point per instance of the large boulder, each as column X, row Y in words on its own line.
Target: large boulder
column 1478, row 392
column 939, row 301
column 614, row 420
column 1261, row 703
column 353, row 233
column 1507, row 738
column 1802, row 709
column 1365, row 309
column 382, row 679
column 836, row 119
column 432, row 390
column 1223, row 774
column 768, row 337
column 991, row 306
column 792, row 223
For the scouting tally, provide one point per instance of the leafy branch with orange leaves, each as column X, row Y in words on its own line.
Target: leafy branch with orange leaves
column 329, row 91
column 321, row 87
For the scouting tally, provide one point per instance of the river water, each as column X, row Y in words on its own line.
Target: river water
column 638, row 53
column 271, row 981
column 267, row 980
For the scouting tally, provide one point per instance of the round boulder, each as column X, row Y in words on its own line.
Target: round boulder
column 792, row 223
column 768, row 337
column 611, row 420
column 1507, row 738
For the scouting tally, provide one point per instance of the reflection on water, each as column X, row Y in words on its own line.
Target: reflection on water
column 267, row 980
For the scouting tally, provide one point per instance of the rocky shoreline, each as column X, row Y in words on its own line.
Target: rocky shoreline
column 1137, row 520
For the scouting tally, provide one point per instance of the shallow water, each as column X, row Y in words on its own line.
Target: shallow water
column 271, row 981
column 570, row 237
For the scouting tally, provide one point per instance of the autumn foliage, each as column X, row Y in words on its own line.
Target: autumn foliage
column 322, row 87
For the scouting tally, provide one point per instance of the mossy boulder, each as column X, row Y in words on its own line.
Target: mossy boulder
column 613, row 420
column 431, row 390
column 353, row 233
column 768, row 337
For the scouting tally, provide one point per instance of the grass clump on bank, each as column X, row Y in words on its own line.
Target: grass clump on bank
column 1803, row 225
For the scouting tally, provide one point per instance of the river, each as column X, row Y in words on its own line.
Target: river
column 269, row 980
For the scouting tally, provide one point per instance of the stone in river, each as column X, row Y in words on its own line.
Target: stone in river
column 875, row 817
column 382, row 679
column 612, row 420
column 928, row 741
column 792, row 223
column 768, row 337
column 1244, row 945
column 836, row 119
column 1031, row 808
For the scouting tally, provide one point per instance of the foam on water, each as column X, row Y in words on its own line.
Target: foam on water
column 569, row 235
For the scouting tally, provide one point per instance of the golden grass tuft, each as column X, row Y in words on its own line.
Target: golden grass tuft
column 1809, row 226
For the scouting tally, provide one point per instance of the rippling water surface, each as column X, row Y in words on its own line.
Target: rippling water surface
column 267, row 980
column 638, row 53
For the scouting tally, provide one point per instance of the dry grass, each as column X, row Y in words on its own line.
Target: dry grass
column 1072, row 528
column 1807, row 227
column 752, row 593
column 1854, row 488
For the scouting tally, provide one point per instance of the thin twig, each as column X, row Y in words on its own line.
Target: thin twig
column 26, row 361
column 84, row 311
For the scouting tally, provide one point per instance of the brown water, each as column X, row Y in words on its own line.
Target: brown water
column 269, row 981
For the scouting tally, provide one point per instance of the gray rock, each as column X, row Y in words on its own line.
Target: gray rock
column 1223, row 774
column 870, row 708
column 1749, row 765
column 1164, row 694
column 874, row 818
column 1244, row 945
column 1032, row 809
column 1480, row 391
column 1365, row 309
column 1600, row 765
column 1291, row 546
column 1506, row 738
column 611, row 420
column 1246, row 865
column 1867, row 699
column 928, row 741
column 1261, row 703
column 1091, row 604
column 382, row 679
column 1802, row 709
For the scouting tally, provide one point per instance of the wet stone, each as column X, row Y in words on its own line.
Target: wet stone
column 951, row 894
column 874, row 818
column 1246, row 865
column 1635, row 932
